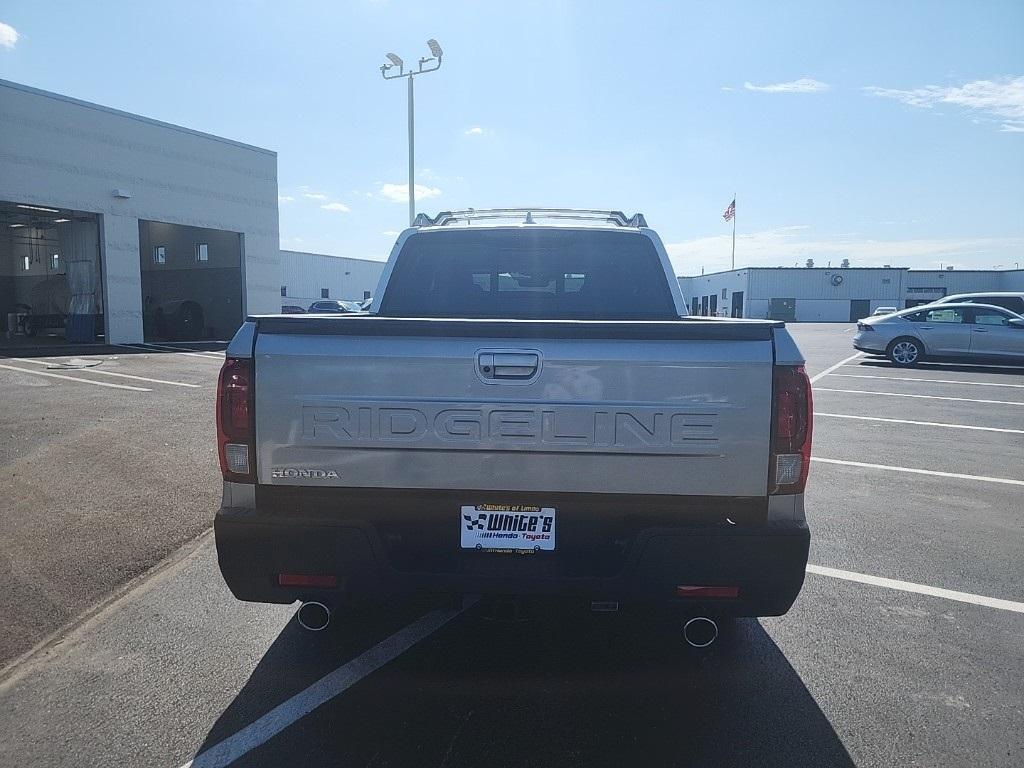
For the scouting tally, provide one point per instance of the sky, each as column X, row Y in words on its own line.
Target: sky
column 881, row 132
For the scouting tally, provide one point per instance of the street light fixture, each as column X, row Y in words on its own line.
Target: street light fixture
column 426, row 64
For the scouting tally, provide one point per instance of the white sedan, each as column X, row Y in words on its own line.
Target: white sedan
column 944, row 331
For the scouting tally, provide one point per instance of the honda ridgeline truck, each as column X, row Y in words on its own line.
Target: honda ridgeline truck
column 525, row 409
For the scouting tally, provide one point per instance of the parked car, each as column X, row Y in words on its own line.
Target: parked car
column 175, row 320
column 333, row 306
column 945, row 331
column 879, row 311
column 292, row 309
column 495, row 427
column 1013, row 301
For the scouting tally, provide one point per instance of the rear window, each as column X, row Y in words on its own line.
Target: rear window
column 529, row 274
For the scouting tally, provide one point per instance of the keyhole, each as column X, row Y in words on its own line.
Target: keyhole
column 487, row 369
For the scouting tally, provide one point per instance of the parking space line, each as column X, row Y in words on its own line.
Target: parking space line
column 838, row 365
column 914, row 471
column 73, row 378
column 110, row 373
column 183, row 350
column 930, row 381
column 920, row 423
column 142, row 348
column 933, row 365
column 923, row 397
column 323, row 690
column 920, row 589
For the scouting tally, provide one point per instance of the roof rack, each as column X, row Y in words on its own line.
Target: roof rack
column 618, row 218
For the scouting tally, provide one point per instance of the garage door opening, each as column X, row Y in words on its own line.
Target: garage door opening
column 191, row 282
column 50, row 278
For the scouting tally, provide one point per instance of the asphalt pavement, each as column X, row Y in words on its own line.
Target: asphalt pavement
column 904, row 647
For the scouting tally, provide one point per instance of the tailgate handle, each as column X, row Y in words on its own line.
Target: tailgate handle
column 508, row 365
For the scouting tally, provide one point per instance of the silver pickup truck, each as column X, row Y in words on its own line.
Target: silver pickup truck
column 524, row 410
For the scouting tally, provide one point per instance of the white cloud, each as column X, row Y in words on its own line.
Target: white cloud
column 476, row 130
column 999, row 98
column 399, row 193
column 391, row 233
column 285, row 198
column 803, row 85
column 314, row 195
column 340, row 207
column 8, row 36
column 786, row 246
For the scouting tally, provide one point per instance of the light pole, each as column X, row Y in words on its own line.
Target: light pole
column 424, row 67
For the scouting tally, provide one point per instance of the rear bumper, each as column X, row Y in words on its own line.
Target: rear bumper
column 765, row 560
column 868, row 342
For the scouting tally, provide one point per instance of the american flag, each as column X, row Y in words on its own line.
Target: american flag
column 730, row 211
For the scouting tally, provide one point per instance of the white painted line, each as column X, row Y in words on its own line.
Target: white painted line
column 838, row 365
column 183, row 350
column 930, row 381
column 110, row 373
column 935, row 365
column 72, row 378
column 920, row 423
column 142, row 348
column 911, row 470
column 920, row 589
column 323, row 690
column 923, row 397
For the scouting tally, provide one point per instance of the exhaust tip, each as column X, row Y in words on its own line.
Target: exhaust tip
column 313, row 616
column 700, row 631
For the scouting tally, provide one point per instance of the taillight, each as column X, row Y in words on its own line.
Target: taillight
column 236, row 444
column 791, row 430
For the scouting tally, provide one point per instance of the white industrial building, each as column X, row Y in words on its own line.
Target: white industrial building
column 119, row 228
column 832, row 294
column 309, row 277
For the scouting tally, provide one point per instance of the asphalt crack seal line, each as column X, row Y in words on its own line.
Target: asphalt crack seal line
column 323, row 690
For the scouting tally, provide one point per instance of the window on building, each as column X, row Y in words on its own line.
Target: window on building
column 325, row 293
column 202, row 252
column 366, row 295
column 159, row 254
column 28, row 263
column 284, row 290
column 55, row 262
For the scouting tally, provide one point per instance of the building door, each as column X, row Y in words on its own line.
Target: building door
column 737, row 304
column 704, row 305
column 782, row 309
column 51, row 281
column 191, row 282
column 859, row 309
column 696, row 306
column 713, row 305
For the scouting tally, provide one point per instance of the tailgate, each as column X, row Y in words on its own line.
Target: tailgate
column 622, row 411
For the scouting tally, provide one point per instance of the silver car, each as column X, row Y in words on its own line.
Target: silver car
column 943, row 331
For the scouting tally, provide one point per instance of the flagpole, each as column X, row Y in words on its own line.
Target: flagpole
column 734, row 230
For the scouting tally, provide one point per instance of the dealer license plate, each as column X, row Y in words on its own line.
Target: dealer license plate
column 508, row 527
